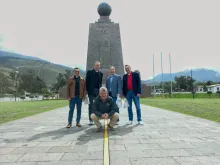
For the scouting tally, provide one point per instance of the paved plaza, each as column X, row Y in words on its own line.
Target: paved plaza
column 166, row 138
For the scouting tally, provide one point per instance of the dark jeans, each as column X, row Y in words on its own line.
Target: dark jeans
column 91, row 99
column 78, row 102
column 129, row 97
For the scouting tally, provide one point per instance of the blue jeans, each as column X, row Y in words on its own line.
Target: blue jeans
column 129, row 97
column 78, row 102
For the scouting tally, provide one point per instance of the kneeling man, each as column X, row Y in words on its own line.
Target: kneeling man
column 104, row 108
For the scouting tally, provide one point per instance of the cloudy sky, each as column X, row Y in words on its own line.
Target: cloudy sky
column 57, row 30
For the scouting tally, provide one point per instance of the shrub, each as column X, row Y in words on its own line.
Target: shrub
column 31, row 96
column 22, row 97
column 218, row 93
column 209, row 93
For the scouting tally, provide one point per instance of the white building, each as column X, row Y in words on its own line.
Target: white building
column 214, row 88
column 199, row 89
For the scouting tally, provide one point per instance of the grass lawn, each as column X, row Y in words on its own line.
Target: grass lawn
column 203, row 108
column 15, row 110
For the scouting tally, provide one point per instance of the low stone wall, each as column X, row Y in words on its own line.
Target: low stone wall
column 62, row 92
column 146, row 91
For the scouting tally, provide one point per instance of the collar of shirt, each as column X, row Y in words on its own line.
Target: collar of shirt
column 129, row 73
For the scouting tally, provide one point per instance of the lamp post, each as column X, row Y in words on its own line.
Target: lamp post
column 16, row 84
column 192, row 85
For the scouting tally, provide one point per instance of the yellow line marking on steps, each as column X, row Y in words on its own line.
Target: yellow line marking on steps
column 106, row 160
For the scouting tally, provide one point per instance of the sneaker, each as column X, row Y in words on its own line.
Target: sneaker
column 110, row 128
column 140, row 123
column 91, row 123
column 78, row 125
column 129, row 122
column 99, row 129
column 69, row 126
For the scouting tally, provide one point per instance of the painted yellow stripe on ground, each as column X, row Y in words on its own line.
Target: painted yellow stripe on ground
column 106, row 160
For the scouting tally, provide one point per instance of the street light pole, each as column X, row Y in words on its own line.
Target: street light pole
column 154, row 76
column 192, row 85
column 162, row 73
column 16, row 84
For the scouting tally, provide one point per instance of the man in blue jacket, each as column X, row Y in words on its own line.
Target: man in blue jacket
column 132, row 90
column 114, row 85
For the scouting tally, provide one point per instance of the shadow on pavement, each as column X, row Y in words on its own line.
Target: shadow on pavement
column 58, row 134
column 88, row 133
column 91, row 133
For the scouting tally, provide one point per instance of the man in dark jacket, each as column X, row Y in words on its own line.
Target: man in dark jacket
column 104, row 108
column 93, row 83
column 132, row 90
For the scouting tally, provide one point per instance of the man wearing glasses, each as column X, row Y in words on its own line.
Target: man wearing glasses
column 76, row 92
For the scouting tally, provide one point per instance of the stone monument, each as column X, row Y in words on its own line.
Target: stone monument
column 104, row 43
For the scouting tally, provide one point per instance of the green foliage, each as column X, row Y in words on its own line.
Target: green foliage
column 184, row 83
column 218, row 93
column 45, row 70
column 22, row 97
column 30, row 82
column 4, row 84
column 209, row 93
column 209, row 83
column 61, row 79
column 31, row 96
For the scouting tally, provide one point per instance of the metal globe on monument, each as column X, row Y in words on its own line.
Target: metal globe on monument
column 104, row 9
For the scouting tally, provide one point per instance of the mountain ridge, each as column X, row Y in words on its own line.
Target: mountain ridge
column 199, row 74
column 45, row 69
column 9, row 60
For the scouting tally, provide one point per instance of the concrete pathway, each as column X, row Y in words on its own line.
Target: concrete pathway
column 166, row 138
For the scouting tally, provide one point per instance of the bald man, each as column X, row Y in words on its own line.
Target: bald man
column 114, row 85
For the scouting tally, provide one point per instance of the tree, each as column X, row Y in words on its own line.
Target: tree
column 68, row 73
column 4, row 84
column 30, row 82
column 61, row 81
column 209, row 83
column 184, row 82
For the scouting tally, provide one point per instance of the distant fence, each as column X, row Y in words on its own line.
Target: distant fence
column 189, row 95
column 19, row 99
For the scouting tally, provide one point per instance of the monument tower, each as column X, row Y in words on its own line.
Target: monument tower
column 104, row 43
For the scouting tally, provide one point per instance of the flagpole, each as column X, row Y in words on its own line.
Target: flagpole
column 162, row 74
column 153, row 76
column 171, row 82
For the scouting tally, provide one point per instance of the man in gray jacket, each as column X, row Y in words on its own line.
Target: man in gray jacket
column 114, row 84
column 104, row 108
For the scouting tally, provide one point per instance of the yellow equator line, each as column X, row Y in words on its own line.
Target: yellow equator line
column 106, row 160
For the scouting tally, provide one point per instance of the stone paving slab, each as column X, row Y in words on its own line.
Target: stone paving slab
column 166, row 138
